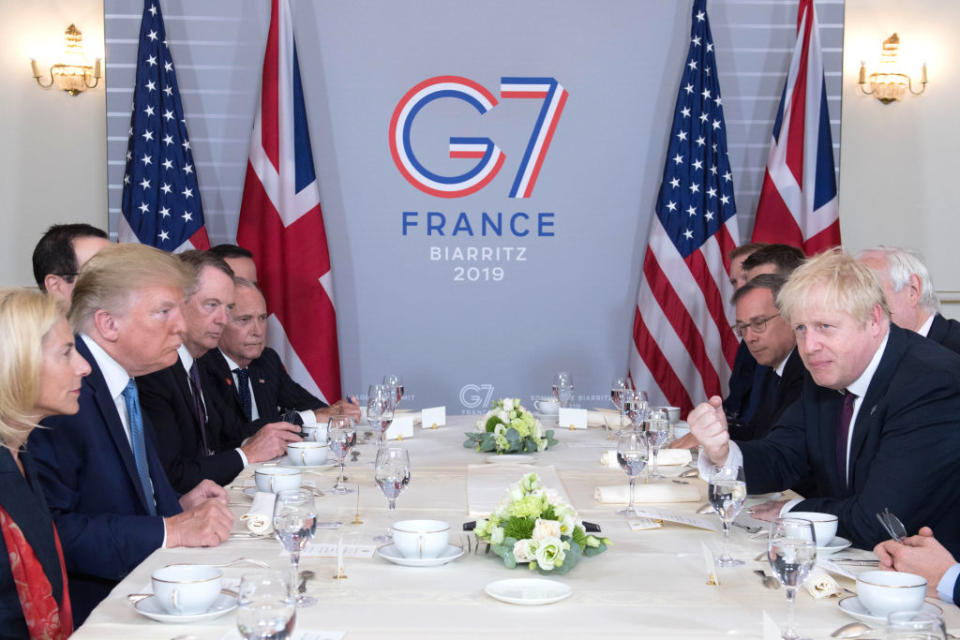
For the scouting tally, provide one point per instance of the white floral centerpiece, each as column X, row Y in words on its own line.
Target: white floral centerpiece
column 509, row 428
column 532, row 525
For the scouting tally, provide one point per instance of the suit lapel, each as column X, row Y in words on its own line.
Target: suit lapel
column 186, row 395
column 266, row 406
column 829, row 403
column 223, row 378
column 938, row 329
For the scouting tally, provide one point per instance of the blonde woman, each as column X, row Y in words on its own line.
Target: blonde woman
column 40, row 374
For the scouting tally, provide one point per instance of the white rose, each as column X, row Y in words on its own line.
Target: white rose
column 508, row 405
column 522, row 551
column 516, row 494
column 549, row 554
column 553, row 496
column 496, row 535
column 546, row 529
column 567, row 524
column 505, row 416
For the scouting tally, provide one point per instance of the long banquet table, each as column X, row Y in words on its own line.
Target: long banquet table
column 649, row 584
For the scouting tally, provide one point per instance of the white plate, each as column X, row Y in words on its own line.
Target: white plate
column 284, row 461
column 837, row 544
column 528, row 591
column 149, row 607
column 511, row 458
column 389, row 552
column 852, row 606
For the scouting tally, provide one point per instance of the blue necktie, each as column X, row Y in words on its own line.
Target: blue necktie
column 139, row 444
column 243, row 388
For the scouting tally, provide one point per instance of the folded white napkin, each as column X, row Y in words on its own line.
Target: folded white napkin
column 259, row 518
column 666, row 458
column 820, row 584
column 659, row 492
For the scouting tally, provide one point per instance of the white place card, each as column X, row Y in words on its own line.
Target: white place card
column 400, row 428
column 710, row 564
column 709, row 523
column 330, row 549
column 642, row 524
column 572, row 418
column 433, row 417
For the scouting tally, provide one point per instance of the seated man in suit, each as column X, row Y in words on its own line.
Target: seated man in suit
column 191, row 441
column 910, row 294
column 248, row 378
column 773, row 258
column 878, row 403
column 239, row 259
column 99, row 469
column 62, row 250
column 738, row 276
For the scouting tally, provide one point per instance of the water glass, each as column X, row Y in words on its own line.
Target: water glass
column 342, row 433
column 295, row 522
column 792, row 552
column 563, row 388
column 632, row 452
column 636, row 406
column 392, row 473
column 266, row 606
column 726, row 491
column 915, row 625
column 395, row 382
column 619, row 388
column 658, row 432
column 381, row 401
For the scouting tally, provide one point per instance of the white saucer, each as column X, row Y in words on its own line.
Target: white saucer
column 284, row 461
column 852, row 606
column 389, row 552
column 528, row 591
column 510, row 458
column 837, row 544
column 150, row 608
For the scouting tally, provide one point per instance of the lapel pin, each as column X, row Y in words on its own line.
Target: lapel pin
column 262, row 381
column 228, row 381
column 873, row 409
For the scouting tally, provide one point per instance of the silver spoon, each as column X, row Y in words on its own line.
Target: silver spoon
column 304, row 576
column 768, row 581
column 852, row 630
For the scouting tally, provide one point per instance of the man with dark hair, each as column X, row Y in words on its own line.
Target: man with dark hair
column 773, row 258
column 239, row 259
column 737, row 257
column 62, row 250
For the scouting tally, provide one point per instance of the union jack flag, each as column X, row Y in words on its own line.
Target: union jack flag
column 161, row 197
column 683, row 345
column 282, row 224
column 798, row 202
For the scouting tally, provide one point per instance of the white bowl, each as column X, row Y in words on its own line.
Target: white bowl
column 883, row 592
column 186, row 589
column 274, row 479
column 421, row 539
column 824, row 525
column 547, row 406
column 307, row 454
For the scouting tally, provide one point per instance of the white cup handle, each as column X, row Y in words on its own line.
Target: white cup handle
column 272, row 490
column 536, row 403
column 420, row 545
column 303, row 458
column 174, row 600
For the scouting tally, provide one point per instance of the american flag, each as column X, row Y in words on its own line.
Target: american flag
column 683, row 346
column 161, row 198
column 282, row 224
column 798, row 203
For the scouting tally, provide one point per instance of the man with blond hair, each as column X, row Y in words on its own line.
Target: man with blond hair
column 104, row 483
column 878, row 420
column 910, row 294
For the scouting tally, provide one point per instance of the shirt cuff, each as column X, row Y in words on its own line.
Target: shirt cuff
column 309, row 418
column 164, row 545
column 945, row 586
column 708, row 469
column 790, row 505
column 243, row 458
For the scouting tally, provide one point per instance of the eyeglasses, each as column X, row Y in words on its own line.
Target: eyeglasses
column 757, row 326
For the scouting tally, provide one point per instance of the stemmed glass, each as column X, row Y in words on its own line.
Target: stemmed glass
column 392, row 473
column 381, row 401
column 295, row 522
column 635, row 407
column 915, row 625
column 658, row 431
column 395, row 382
column 342, row 433
column 632, row 454
column 618, row 389
column 266, row 606
column 726, row 492
column 563, row 388
column 792, row 551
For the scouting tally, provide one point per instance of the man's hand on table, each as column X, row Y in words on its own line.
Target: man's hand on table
column 768, row 511
column 270, row 441
column 687, row 441
column 921, row 554
column 708, row 425
column 205, row 490
column 343, row 407
column 205, row 525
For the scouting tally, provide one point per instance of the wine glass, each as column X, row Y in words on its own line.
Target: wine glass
column 295, row 522
column 726, row 492
column 563, row 388
column 395, row 382
column 392, row 473
column 635, row 407
column 381, row 400
column 342, row 433
column 915, row 625
column 792, row 551
column 632, row 452
column 618, row 389
column 658, row 431
column 266, row 607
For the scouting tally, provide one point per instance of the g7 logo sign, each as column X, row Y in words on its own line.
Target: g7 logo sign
column 472, row 398
column 490, row 157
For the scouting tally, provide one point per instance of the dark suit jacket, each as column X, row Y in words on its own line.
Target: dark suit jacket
column 88, row 474
column 273, row 389
column 946, row 332
column 23, row 501
column 905, row 451
column 776, row 394
column 165, row 396
column 737, row 403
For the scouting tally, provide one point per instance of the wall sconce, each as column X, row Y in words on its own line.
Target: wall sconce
column 888, row 84
column 73, row 74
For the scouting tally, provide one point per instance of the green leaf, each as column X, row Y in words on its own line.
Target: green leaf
column 513, row 438
column 518, row 528
column 491, row 423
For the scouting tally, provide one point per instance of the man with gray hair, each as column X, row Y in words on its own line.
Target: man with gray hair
column 878, row 404
column 109, row 495
column 910, row 294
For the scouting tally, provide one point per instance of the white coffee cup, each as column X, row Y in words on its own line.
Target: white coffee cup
column 547, row 406
column 307, row 454
column 314, row 432
column 673, row 414
column 421, row 539
column 824, row 525
column 274, row 479
column 187, row 589
column 883, row 592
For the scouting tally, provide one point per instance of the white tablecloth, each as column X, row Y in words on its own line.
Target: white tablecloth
column 649, row 584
